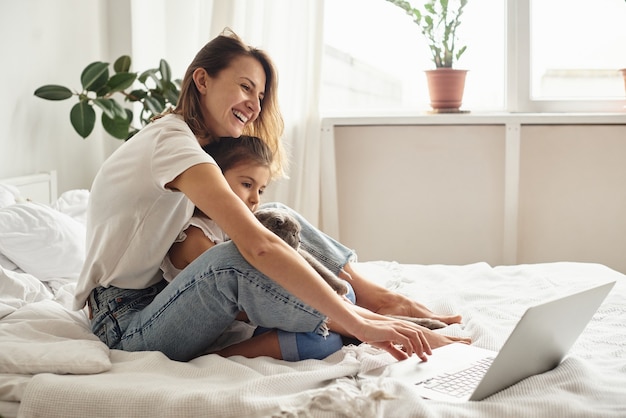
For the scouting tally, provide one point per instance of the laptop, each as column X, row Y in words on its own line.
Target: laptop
column 538, row 343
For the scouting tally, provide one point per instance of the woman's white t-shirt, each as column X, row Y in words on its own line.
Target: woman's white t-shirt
column 132, row 218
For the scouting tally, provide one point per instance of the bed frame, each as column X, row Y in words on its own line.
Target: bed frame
column 40, row 187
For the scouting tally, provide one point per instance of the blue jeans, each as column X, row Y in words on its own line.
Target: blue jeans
column 183, row 318
column 295, row 346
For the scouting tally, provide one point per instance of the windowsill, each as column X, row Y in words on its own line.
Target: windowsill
column 471, row 118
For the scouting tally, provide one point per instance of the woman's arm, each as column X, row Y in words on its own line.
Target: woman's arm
column 206, row 187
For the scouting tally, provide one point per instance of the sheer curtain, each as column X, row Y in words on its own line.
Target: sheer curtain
column 290, row 31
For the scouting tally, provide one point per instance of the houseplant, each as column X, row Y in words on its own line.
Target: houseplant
column 438, row 21
column 155, row 93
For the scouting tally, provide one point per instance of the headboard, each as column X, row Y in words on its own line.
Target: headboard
column 40, row 187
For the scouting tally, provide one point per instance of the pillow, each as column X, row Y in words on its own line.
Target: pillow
column 8, row 195
column 45, row 337
column 42, row 241
column 74, row 204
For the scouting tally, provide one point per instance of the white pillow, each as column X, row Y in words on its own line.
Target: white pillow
column 42, row 241
column 74, row 204
column 8, row 195
column 45, row 337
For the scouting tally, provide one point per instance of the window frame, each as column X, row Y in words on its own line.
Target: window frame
column 516, row 96
column 518, row 71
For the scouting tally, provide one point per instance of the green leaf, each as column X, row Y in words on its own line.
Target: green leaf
column 136, row 95
column 106, row 106
column 103, row 91
column 148, row 73
column 120, row 111
column 122, row 64
column 53, row 92
column 111, row 107
column 153, row 75
column 153, row 105
column 461, row 51
column 95, row 75
column 121, row 81
column 166, row 72
column 83, row 118
column 172, row 96
column 117, row 127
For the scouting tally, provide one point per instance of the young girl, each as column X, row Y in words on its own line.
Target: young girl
column 245, row 163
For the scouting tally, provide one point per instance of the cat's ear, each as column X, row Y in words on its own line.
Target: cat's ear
column 278, row 221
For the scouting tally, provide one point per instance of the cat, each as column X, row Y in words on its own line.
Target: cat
column 287, row 227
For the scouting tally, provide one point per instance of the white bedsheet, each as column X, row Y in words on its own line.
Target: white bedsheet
column 589, row 383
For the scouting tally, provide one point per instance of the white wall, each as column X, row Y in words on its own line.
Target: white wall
column 504, row 189
column 50, row 42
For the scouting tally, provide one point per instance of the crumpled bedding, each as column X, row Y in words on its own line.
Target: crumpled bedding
column 100, row 382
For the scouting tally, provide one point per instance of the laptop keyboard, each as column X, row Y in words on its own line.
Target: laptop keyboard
column 461, row 383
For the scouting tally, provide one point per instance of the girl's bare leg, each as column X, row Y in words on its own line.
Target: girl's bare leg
column 378, row 299
column 265, row 344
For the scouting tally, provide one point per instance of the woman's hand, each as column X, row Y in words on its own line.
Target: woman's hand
column 423, row 340
column 399, row 338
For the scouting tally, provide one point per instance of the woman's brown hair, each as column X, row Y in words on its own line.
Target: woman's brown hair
column 213, row 58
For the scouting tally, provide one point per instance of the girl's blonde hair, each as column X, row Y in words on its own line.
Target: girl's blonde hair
column 214, row 57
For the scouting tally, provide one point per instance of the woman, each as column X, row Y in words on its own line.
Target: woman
column 146, row 191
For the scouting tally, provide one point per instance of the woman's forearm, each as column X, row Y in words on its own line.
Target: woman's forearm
column 286, row 267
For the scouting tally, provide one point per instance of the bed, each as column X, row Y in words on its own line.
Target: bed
column 51, row 365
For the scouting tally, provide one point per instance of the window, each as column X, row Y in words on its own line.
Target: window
column 576, row 48
column 566, row 59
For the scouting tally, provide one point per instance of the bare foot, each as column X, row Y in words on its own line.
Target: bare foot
column 429, row 323
column 403, row 306
column 438, row 340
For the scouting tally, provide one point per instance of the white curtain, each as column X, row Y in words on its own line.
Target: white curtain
column 290, row 31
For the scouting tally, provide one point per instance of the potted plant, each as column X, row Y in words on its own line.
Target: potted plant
column 156, row 93
column 438, row 21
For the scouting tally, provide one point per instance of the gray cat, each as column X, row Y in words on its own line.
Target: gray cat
column 288, row 229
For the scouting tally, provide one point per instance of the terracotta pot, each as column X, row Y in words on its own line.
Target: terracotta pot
column 446, row 86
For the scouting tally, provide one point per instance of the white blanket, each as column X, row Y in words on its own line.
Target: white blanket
column 589, row 383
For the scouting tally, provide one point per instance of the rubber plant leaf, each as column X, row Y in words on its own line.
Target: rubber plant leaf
column 53, row 92
column 117, row 127
column 166, row 72
column 122, row 64
column 95, row 76
column 121, row 81
column 83, row 118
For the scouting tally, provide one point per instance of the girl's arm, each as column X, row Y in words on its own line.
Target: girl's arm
column 184, row 252
column 206, row 187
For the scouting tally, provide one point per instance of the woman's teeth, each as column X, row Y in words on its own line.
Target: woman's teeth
column 240, row 116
